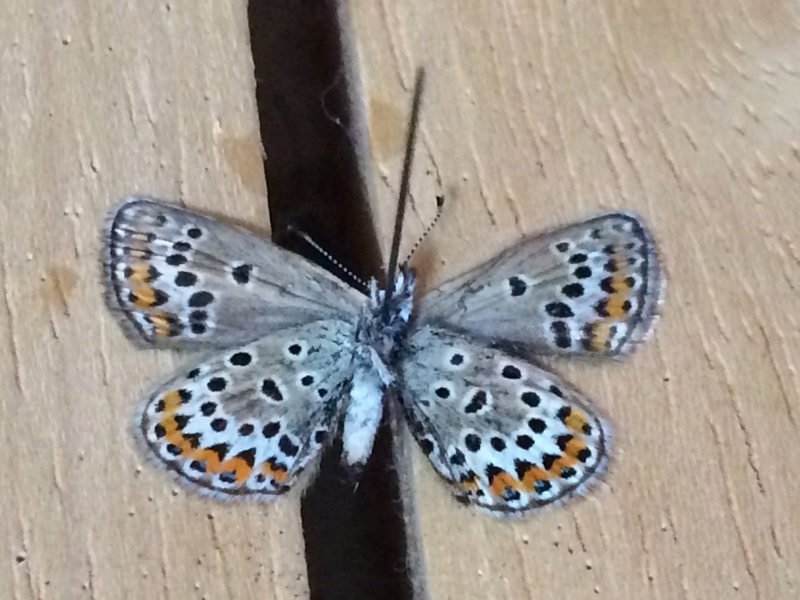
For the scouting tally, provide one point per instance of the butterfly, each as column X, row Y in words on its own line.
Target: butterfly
column 293, row 356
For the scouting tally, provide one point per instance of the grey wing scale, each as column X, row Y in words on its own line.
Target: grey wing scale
column 589, row 288
column 508, row 435
column 182, row 279
column 250, row 420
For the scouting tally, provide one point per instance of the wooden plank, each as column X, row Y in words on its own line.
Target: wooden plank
column 100, row 100
column 541, row 113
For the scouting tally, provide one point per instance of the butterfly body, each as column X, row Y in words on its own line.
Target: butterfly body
column 292, row 356
column 381, row 328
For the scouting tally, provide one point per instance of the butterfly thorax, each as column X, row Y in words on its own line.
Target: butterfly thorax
column 381, row 327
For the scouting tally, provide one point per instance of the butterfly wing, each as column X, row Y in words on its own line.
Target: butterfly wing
column 589, row 288
column 508, row 435
column 249, row 421
column 183, row 279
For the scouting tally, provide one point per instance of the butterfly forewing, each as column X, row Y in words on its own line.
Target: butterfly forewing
column 249, row 420
column 588, row 288
column 183, row 279
column 508, row 435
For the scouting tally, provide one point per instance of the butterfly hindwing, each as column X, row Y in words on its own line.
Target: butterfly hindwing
column 249, row 420
column 182, row 279
column 508, row 435
column 589, row 288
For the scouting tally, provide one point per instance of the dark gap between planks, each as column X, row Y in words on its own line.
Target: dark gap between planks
column 356, row 545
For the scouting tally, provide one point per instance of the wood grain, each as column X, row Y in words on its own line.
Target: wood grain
column 537, row 113
column 99, row 100
column 541, row 113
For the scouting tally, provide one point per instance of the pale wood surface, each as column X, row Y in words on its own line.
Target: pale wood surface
column 537, row 113
column 98, row 100
column 540, row 113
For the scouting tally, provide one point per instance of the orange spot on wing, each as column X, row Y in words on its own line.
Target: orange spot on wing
column 600, row 332
column 161, row 324
column 614, row 306
column 619, row 284
column 238, row 466
column 210, row 457
column 140, row 273
column 532, row 475
column 145, row 296
column 470, row 483
column 277, row 473
column 502, row 480
column 172, row 400
column 575, row 420
column 175, row 437
column 573, row 447
column 563, row 461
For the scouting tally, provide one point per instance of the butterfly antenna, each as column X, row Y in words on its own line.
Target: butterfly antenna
column 428, row 229
column 411, row 138
column 309, row 240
